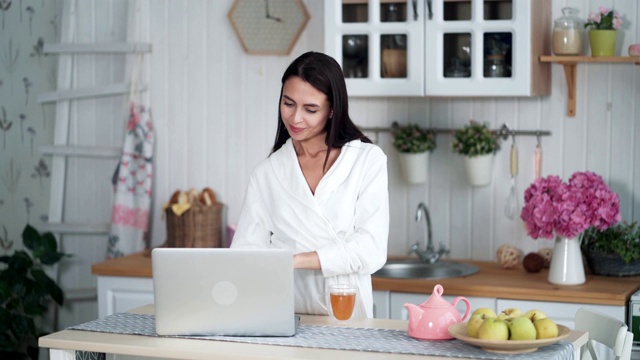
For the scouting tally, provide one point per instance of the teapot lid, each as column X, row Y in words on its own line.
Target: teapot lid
column 436, row 300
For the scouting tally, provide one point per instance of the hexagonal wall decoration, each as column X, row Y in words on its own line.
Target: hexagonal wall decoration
column 268, row 27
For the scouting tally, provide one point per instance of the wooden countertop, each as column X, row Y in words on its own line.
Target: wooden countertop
column 134, row 265
column 517, row 284
column 491, row 281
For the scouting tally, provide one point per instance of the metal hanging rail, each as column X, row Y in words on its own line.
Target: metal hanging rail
column 504, row 131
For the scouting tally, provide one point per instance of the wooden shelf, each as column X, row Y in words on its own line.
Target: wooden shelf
column 569, row 64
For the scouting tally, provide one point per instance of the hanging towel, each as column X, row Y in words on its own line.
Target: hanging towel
column 132, row 185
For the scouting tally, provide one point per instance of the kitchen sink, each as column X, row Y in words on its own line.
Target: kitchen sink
column 412, row 269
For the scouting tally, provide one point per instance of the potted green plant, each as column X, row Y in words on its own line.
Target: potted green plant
column 603, row 26
column 478, row 144
column 614, row 251
column 26, row 292
column 414, row 145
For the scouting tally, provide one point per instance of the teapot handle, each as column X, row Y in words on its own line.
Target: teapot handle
column 466, row 313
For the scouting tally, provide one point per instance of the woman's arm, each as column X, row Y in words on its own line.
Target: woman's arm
column 307, row 260
column 365, row 250
column 251, row 231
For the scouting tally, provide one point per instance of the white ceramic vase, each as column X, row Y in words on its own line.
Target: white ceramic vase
column 479, row 169
column 566, row 267
column 414, row 166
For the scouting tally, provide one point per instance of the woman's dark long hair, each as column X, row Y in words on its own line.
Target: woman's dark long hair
column 325, row 75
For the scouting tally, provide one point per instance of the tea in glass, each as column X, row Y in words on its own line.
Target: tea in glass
column 343, row 300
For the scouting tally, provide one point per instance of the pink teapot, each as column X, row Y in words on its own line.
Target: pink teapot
column 431, row 320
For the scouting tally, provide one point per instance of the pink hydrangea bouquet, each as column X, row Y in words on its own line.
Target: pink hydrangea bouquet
column 555, row 208
column 604, row 19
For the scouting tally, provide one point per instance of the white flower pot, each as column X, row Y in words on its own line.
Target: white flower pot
column 479, row 169
column 566, row 267
column 414, row 166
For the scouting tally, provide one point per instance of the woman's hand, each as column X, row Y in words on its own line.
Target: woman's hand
column 307, row 260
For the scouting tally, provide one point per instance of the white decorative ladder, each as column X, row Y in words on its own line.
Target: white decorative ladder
column 61, row 150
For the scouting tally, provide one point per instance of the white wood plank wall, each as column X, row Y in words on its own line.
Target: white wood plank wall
column 215, row 109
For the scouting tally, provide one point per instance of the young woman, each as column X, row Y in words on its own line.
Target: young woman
column 322, row 192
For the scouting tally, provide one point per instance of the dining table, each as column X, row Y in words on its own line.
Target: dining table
column 318, row 337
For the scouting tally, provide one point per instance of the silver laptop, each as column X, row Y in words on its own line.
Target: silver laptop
column 220, row 291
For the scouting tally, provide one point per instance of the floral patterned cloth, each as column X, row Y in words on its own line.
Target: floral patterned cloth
column 132, row 185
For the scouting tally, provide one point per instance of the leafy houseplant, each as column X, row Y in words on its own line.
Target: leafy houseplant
column 26, row 291
column 413, row 139
column 475, row 139
column 414, row 145
column 604, row 19
column 477, row 144
column 614, row 251
column 602, row 34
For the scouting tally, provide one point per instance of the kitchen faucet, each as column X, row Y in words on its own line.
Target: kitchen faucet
column 429, row 254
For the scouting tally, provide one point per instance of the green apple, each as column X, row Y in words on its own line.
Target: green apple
column 493, row 329
column 510, row 313
column 488, row 312
column 545, row 328
column 521, row 328
column 474, row 324
column 535, row 314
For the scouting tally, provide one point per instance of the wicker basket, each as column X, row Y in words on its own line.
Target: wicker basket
column 200, row 226
column 610, row 264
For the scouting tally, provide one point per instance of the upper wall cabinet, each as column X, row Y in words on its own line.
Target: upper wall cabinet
column 440, row 47
column 380, row 45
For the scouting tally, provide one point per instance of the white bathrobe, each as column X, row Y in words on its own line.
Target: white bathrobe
column 346, row 222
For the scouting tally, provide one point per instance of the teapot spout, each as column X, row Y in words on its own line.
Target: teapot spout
column 415, row 313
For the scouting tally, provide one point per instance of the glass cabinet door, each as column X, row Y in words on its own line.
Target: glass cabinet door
column 355, row 56
column 355, row 47
column 497, row 44
column 457, row 43
column 393, row 46
column 469, row 47
column 378, row 44
column 456, row 48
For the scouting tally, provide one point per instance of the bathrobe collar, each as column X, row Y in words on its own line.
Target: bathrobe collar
column 285, row 165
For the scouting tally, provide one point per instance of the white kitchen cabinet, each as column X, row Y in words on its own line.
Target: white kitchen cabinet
column 440, row 47
column 118, row 294
column 381, row 304
column 398, row 311
column 379, row 45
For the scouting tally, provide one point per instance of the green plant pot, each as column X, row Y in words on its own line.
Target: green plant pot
column 603, row 42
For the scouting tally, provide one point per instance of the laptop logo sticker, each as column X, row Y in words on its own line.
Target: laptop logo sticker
column 224, row 293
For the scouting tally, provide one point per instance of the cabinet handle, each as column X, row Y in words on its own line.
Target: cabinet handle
column 415, row 9
column 430, row 11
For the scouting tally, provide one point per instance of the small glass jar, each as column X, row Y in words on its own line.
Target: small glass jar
column 457, row 69
column 568, row 33
column 495, row 66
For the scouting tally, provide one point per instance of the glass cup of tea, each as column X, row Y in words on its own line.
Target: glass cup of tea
column 343, row 300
